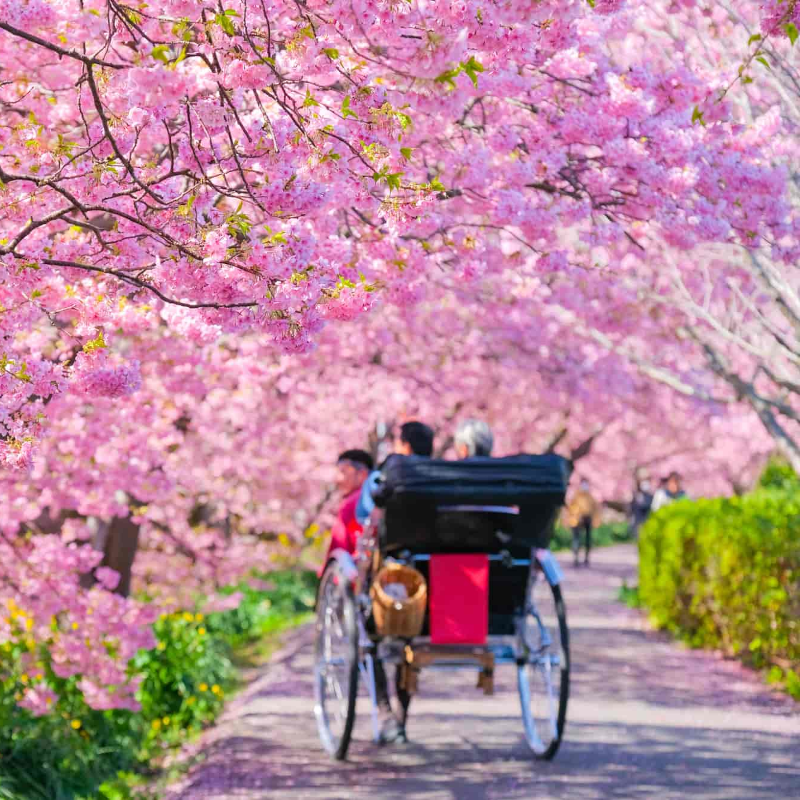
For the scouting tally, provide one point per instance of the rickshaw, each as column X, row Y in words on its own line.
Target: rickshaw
column 435, row 516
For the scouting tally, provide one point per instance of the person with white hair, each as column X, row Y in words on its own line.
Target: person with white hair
column 473, row 438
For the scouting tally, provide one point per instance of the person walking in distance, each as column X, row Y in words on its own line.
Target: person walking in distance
column 673, row 490
column 582, row 514
column 641, row 504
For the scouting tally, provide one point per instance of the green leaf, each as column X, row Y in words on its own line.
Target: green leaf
column 393, row 179
column 449, row 76
column 186, row 209
column 309, row 101
column 472, row 68
column 406, row 152
column 331, row 52
column 791, row 32
column 346, row 112
column 224, row 21
column 697, row 116
column 756, row 37
column 181, row 57
column 762, row 60
column 161, row 53
column 98, row 343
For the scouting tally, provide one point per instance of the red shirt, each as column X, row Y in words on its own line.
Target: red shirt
column 345, row 531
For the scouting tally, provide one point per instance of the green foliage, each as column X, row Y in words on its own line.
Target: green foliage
column 629, row 595
column 778, row 474
column 725, row 574
column 77, row 753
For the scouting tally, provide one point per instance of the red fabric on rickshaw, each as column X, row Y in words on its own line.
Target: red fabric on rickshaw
column 459, row 598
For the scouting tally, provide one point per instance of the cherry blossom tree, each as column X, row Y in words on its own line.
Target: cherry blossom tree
column 234, row 236
column 720, row 322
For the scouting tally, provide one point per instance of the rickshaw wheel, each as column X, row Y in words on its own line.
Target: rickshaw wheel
column 543, row 671
column 335, row 661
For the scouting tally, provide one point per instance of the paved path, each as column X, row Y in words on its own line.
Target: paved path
column 647, row 718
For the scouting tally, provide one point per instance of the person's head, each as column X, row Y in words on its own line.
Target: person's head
column 473, row 438
column 352, row 467
column 674, row 482
column 644, row 485
column 414, row 439
column 584, row 484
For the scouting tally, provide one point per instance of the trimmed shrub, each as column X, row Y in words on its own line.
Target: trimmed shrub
column 778, row 474
column 725, row 574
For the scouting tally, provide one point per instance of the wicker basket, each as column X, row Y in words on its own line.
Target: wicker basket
column 401, row 618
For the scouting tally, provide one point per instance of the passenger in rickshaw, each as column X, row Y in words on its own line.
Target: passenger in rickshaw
column 473, row 438
column 353, row 467
column 413, row 438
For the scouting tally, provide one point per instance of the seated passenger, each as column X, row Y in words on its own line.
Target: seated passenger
column 353, row 468
column 473, row 438
column 414, row 439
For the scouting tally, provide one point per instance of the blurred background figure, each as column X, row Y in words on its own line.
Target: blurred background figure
column 473, row 438
column 582, row 514
column 641, row 503
column 671, row 491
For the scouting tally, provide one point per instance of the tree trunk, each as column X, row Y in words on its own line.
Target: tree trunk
column 120, row 551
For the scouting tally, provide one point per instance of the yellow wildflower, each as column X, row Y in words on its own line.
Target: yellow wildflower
column 76, row 724
column 203, row 687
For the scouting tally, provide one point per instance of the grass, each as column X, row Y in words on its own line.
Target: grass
column 603, row 535
column 629, row 595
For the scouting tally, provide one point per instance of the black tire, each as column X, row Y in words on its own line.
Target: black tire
column 543, row 664
column 335, row 684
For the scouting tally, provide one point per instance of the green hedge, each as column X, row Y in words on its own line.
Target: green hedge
column 725, row 574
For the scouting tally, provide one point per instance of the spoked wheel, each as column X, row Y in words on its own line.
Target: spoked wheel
column 335, row 662
column 543, row 671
